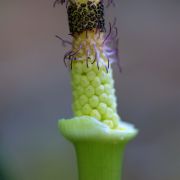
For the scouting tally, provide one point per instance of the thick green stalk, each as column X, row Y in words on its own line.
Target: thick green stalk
column 99, row 148
column 99, row 161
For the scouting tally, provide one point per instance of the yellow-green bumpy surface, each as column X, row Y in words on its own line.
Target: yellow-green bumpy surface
column 94, row 93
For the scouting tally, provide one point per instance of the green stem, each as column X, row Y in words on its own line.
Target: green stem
column 99, row 161
column 99, row 148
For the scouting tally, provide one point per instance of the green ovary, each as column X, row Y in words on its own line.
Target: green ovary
column 94, row 93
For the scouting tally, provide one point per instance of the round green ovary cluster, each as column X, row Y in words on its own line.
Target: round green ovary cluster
column 93, row 93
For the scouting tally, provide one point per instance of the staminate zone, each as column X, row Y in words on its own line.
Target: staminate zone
column 86, row 16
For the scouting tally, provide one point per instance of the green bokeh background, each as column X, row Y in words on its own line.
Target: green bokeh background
column 35, row 89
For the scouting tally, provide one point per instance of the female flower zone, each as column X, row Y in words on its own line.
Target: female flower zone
column 93, row 50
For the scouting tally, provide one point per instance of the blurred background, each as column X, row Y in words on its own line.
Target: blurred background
column 35, row 89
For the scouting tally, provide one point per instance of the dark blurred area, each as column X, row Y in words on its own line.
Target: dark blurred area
column 35, row 89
